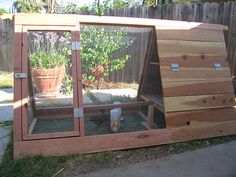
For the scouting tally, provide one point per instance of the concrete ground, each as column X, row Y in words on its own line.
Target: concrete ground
column 6, row 94
column 6, row 107
column 215, row 161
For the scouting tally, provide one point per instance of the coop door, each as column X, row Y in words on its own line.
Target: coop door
column 51, row 82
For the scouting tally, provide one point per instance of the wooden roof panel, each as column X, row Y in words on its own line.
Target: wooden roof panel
column 71, row 20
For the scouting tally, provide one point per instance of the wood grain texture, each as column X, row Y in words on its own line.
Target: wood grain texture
column 17, row 106
column 207, row 87
column 194, row 74
column 194, row 34
column 75, row 80
column 25, row 86
column 194, row 60
column 88, row 144
column 166, row 47
column 58, row 112
column 156, row 105
column 187, row 103
column 79, row 83
column 71, row 20
column 51, row 135
column 204, row 131
column 192, row 118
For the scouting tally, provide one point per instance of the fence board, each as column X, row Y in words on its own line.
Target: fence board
column 218, row 13
column 6, row 45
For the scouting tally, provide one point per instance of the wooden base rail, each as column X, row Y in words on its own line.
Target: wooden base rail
column 98, row 143
column 89, row 108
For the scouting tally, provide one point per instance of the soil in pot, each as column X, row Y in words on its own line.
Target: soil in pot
column 48, row 81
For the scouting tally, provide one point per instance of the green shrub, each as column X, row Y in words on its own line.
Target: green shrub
column 99, row 44
column 46, row 60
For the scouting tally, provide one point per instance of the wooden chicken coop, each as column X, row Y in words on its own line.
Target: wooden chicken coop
column 185, row 90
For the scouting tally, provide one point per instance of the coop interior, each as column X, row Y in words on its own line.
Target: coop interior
column 113, row 79
column 113, row 58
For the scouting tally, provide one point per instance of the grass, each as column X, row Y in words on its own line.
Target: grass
column 94, row 99
column 122, row 99
column 6, row 123
column 39, row 166
column 31, row 166
column 6, row 80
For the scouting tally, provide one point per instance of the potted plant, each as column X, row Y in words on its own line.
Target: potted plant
column 48, row 71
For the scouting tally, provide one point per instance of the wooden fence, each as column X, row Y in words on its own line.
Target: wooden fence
column 6, row 45
column 218, row 13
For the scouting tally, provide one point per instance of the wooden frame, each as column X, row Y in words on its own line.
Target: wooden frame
column 27, row 130
column 72, row 142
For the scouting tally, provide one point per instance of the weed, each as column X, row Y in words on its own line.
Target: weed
column 6, row 123
column 6, row 80
column 37, row 166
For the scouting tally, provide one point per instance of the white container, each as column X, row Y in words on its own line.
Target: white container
column 115, row 114
column 119, row 109
column 115, row 120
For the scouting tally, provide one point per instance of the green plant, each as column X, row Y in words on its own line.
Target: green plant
column 2, row 11
column 6, row 80
column 47, row 60
column 68, row 83
column 98, row 48
column 6, row 123
column 29, row 6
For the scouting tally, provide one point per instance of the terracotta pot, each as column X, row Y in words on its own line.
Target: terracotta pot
column 48, row 81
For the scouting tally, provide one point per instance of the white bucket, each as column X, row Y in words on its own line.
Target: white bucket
column 115, row 118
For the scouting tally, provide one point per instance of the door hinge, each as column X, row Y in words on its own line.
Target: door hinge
column 78, row 112
column 75, row 45
column 218, row 66
column 21, row 75
column 175, row 67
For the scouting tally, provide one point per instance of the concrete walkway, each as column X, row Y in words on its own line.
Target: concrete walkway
column 215, row 161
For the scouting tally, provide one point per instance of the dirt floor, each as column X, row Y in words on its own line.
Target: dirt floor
column 101, row 125
column 94, row 125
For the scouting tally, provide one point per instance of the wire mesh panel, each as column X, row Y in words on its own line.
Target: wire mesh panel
column 111, row 57
column 50, row 83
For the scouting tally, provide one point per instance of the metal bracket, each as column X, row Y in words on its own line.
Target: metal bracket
column 75, row 45
column 21, row 75
column 175, row 67
column 78, row 112
column 218, row 66
column 77, row 27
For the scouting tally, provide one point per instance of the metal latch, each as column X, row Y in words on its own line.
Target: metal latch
column 175, row 67
column 21, row 75
column 75, row 45
column 78, row 112
column 77, row 27
column 218, row 66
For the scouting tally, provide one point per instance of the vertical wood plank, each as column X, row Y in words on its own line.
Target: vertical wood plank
column 75, row 80
column 17, row 106
column 79, row 86
column 24, row 88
